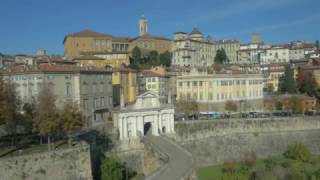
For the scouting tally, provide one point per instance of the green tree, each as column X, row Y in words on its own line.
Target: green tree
column 298, row 152
column 153, row 58
column 165, row 58
column 317, row 44
column 136, row 56
column 47, row 118
column 71, row 119
column 221, row 57
column 287, row 83
column 111, row 169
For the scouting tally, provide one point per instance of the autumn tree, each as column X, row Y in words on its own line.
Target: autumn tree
column 47, row 118
column 9, row 107
column 307, row 83
column 231, row 106
column 187, row 106
column 71, row 119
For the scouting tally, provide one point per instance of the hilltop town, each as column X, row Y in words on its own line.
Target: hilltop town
column 143, row 106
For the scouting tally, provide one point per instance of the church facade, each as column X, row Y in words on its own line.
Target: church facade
column 146, row 116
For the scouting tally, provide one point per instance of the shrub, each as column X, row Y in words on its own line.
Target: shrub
column 111, row 169
column 298, row 152
column 229, row 167
column 270, row 163
column 294, row 174
column 250, row 160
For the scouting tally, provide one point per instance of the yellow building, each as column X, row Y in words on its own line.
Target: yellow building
column 148, row 42
column 274, row 79
column 89, row 41
column 112, row 59
column 124, row 82
column 212, row 91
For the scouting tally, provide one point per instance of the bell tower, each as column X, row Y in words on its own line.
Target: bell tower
column 143, row 26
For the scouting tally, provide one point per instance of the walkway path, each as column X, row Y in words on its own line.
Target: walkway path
column 179, row 160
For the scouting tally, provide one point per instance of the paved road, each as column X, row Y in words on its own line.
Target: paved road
column 179, row 163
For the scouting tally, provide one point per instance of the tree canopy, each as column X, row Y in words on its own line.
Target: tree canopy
column 307, row 83
column 221, row 57
column 287, row 82
column 152, row 58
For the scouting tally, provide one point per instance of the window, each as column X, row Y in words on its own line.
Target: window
column 110, row 100
column 85, row 104
column 68, row 89
column 210, row 96
column 102, row 101
column 180, row 84
column 50, row 77
column 194, row 83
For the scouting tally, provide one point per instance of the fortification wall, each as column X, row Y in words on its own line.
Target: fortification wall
column 215, row 142
column 66, row 164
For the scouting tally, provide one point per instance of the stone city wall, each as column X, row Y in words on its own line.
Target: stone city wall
column 65, row 164
column 217, row 141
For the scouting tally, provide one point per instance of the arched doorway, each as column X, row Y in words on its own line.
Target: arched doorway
column 147, row 128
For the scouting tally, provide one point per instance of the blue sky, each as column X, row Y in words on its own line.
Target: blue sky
column 31, row 24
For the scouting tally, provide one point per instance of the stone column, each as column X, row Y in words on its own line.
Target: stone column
column 120, row 127
column 160, row 122
column 140, row 124
column 125, row 128
column 171, row 117
column 155, row 127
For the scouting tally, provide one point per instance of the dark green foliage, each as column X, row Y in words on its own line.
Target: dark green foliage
column 296, row 174
column 317, row 44
column 153, row 58
column 165, row 59
column 221, row 57
column 287, row 83
column 270, row 163
column 298, row 152
column 111, row 169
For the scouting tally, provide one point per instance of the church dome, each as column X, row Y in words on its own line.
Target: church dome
column 195, row 31
column 196, row 35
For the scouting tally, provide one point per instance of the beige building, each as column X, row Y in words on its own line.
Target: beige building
column 112, row 59
column 88, row 41
column 212, row 91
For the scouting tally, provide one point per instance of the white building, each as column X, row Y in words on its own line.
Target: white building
column 195, row 50
column 147, row 115
column 277, row 54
